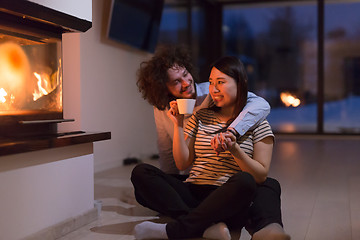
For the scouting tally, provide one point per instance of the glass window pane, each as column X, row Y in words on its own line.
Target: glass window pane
column 30, row 74
column 278, row 45
column 173, row 27
column 342, row 67
column 198, row 38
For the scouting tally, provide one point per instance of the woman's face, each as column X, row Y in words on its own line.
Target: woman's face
column 223, row 88
column 181, row 83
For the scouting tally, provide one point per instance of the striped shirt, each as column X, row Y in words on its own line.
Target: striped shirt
column 209, row 168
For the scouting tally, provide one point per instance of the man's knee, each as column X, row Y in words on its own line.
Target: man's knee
column 139, row 172
column 245, row 182
column 273, row 184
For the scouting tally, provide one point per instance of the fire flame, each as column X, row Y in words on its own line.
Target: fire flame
column 16, row 80
column 14, row 71
column 3, row 94
column 289, row 100
column 43, row 85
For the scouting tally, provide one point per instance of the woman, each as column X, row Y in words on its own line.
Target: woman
column 221, row 187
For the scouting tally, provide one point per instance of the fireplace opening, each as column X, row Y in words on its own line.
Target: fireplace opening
column 30, row 77
column 30, row 82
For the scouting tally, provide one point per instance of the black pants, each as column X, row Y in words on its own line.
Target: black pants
column 196, row 207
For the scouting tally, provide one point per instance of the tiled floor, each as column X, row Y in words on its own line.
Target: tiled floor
column 320, row 181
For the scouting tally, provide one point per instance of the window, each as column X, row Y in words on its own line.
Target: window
column 277, row 43
column 174, row 25
column 342, row 67
column 190, row 23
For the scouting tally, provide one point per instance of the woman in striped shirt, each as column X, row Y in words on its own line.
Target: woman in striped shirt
column 221, row 186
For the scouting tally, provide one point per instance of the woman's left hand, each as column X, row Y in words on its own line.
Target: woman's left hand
column 222, row 142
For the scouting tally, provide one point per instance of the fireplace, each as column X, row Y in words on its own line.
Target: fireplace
column 31, row 93
column 46, row 176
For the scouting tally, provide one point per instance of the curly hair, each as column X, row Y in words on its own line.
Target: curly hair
column 152, row 74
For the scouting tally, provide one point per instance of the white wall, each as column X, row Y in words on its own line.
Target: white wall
column 43, row 188
column 109, row 99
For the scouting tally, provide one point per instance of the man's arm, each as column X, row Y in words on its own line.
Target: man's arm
column 254, row 112
column 164, row 142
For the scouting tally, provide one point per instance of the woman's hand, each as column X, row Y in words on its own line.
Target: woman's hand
column 222, row 142
column 174, row 114
column 183, row 145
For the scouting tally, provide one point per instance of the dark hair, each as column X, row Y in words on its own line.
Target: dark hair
column 152, row 74
column 233, row 67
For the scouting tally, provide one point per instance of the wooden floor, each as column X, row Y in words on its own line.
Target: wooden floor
column 320, row 180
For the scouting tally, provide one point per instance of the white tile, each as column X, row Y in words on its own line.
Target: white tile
column 330, row 221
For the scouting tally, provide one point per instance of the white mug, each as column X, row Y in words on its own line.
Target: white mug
column 185, row 106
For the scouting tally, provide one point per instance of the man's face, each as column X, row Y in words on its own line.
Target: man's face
column 181, row 83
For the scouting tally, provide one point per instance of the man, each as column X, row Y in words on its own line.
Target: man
column 169, row 75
